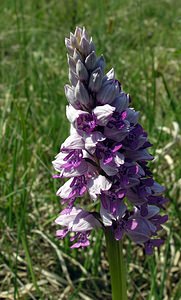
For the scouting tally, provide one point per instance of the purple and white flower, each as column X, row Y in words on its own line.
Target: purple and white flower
column 105, row 158
column 78, row 221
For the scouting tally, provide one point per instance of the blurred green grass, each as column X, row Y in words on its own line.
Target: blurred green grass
column 141, row 39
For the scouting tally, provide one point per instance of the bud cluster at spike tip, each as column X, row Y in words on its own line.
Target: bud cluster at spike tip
column 105, row 157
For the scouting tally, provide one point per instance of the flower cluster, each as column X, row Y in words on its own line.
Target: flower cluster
column 105, row 157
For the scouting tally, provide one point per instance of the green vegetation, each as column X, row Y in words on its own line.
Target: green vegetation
column 141, row 39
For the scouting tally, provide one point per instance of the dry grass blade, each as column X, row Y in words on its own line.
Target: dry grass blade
column 84, row 297
column 59, row 254
column 53, row 278
column 23, row 291
column 65, row 293
column 76, row 263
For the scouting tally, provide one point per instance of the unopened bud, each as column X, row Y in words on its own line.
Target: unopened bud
column 96, row 80
column 81, row 94
column 90, row 61
column 81, row 71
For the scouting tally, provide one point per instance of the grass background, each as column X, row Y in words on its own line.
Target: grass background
column 141, row 39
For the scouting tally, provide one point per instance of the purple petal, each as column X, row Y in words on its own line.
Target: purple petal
column 61, row 233
column 80, row 244
column 118, row 234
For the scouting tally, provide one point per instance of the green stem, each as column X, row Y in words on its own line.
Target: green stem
column 117, row 267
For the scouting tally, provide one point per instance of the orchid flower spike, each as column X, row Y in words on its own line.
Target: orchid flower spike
column 105, row 157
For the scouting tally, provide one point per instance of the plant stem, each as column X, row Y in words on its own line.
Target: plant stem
column 116, row 266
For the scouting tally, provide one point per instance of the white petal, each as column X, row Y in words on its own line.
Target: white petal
column 103, row 114
column 57, row 163
column 66, row 219
column 65, row 190
column 98, row 184
column 72, row 113
column 74, row 141
column 72, row 129
column 92, row 139
column 85, row 221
